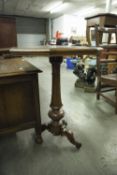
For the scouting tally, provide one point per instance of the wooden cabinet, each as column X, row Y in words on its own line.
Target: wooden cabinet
column 19, row 96
column 8, row 36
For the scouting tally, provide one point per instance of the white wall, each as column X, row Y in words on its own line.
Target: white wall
column 75, row 25
column 58, row 25
column 67, row 24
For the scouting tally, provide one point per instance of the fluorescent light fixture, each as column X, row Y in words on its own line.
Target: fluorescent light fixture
column 60, row 7
column 52, row 5
column 114, row 2
column 86, row 11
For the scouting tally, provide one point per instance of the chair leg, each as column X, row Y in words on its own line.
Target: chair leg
column 98, row 90
column 116, row 100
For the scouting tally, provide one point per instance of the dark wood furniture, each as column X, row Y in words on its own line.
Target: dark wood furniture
column 56, row 54
column 99, row 34
column 107, row 80
column 102, row 20
column 8, row 36
column 19, row 97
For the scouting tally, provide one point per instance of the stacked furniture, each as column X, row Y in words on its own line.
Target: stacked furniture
column 105, row 23
column 107, row 80
column 102, row 20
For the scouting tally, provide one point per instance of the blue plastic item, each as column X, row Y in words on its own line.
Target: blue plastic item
column 70, row 63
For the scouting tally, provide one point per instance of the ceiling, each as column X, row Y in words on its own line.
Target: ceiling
column 54, row 8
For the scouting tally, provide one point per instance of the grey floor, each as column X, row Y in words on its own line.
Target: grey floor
column 94, row 124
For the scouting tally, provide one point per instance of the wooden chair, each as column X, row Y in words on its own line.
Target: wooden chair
column 107, row 79
column 99, row 34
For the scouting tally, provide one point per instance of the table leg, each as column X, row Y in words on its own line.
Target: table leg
column 88, row 35
column 56, row 113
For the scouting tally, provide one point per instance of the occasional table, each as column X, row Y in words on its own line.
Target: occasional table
column 56, row 54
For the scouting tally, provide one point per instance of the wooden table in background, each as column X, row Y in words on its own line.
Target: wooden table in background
column 103, row 20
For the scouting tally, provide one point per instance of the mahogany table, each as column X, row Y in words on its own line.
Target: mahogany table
column 55, row 54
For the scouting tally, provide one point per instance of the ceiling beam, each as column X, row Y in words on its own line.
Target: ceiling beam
column 108, row 5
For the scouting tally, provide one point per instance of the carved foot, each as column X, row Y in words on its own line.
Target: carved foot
column 57, row 129
column 70, row 136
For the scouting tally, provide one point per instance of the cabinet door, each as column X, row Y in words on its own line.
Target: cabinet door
column 17, row 104
column 8, row 37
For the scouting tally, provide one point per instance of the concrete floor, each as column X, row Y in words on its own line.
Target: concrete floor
column 94, row 124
